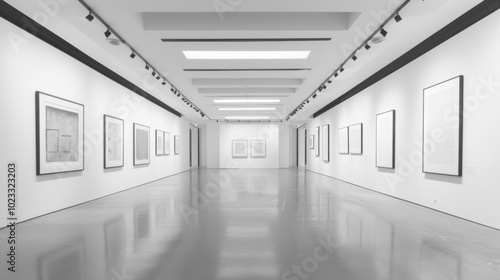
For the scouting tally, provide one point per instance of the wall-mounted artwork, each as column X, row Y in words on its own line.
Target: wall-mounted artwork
column 141, row 144
column 326, row 142
column 316, row 144
column 113, row 142
column 386, row 139
column 343, row 138
column 311, row 142
column 160, row 143
column 240, row 148
column 443, row 127
column 258, row 148
column 166, row 145
column 59, row 135
column 177, row 144
column 356, row 139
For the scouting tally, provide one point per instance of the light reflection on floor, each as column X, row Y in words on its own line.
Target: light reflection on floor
column 256, row 224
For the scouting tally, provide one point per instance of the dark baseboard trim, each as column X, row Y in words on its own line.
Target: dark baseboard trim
column 95, row 199
column 404, row 200
column 27, row 24
column 465, row 21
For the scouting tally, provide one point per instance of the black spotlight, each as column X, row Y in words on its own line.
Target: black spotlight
column 178, row 95
column 398, row 18
column 158, row 77
column 383, row 32
column 153, row 73
column 107, row 33
column 320, row 89
column 164, row 82
column 341, row 69
column 354, row 57
column 314, row 95
column 90, row 17
column 367, row 47
column 336, row 74
column 147, row 67
column 132, row 55
column 329, row 81
column 172, row 90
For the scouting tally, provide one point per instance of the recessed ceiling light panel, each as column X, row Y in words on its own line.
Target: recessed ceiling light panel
column 247, row 109
column 246, row 54
column 246, row 101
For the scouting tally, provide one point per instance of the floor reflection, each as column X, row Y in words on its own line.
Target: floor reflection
column 256, row 224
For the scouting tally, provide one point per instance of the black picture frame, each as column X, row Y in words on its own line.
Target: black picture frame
column 109, row 163
column 378, row 145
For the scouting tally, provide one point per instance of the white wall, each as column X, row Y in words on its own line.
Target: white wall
column 40, row 67
column 203, row 145
column 474, row 54
column 302, row 146
column 211, row 146
column 194, row 146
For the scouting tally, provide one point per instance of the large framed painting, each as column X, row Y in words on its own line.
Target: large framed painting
column 240, row 148
column 113, row 142
column 316, row 144
column 59, row 135
column 166, row 145
column 141, row 144
column 258, row 148
column 160, row 143
column 177, row 144
column 326, row 142
column 356, row 139
column 385, row 140
column 311, row 142
column 343, row 141
column 443, row 128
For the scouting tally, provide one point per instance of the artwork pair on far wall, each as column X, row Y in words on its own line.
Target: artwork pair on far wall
column 257, row 148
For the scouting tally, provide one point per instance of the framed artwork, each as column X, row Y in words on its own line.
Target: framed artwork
column 356, row 139
column 326, row 143
column 258, row 148
column 385, row 140
column 443, row 127
column 141, row 144
column 160, row 143
column 166, row 145
column 240, row 148
column 343, row 144
column 177, row 144
column 311, row 142
column 113, row 142
column 316, row 144
column 59, row 135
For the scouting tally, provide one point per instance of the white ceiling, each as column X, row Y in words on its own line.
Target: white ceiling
column 143, row 24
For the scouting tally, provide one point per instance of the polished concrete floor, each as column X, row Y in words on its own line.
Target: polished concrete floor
column 255, row 224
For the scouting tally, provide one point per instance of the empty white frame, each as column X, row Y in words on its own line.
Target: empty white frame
column 443, row 128
column 258, row 148
column 356, row 139
column 385, row 139
column 240, row 148
column 343, row 138
column 166, row 146
column 316, row 144
column 326, row 143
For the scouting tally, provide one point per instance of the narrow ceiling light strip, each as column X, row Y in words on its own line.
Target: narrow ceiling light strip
column 396, row 16
column 109, row 31
column 247, row 109
column 244, row 55
column 247, row 100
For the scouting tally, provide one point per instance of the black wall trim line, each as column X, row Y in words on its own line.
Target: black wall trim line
column 465, row 21
column 27, row 24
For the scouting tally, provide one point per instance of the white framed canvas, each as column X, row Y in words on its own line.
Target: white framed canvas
column 59, row 135
column 356, row 139
column 160, row 143
column 385, row 139
column 311, row 142
column 343, row 138
column 166, row 145
column 240, row 148
column 443, row 127
column 258, row 148
column 316, row 144
column 326, row 142
column 177, row 144
column 113, row 142
column 141, row 144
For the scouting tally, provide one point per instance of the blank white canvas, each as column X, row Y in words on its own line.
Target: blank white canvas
column 326, row 143
column 385, row 140
column 343, row 140
column 356, row 139
column 316, row 146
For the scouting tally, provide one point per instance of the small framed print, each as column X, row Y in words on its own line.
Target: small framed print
column 177, row 144
column 316, row 143
column 326, row 142
column 356, row 139
column 141, row 144
column 59, row 135
column 166, row 146
column 258, row 148
column 113, row 142
column 240, row 148
column 160, row 143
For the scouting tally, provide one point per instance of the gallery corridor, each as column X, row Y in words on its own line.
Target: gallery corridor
column 258, row 224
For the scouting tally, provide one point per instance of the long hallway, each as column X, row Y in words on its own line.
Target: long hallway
column 259, row 224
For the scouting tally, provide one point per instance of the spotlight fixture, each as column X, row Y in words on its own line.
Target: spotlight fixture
column 172, row 90
column 147, row 67
column 383, row 32
column 107, row 33
column 367, row 47
column 202, row 115
column 132, row 55
column 90, row 17
column 354, row 57
column 336, row 74
column 398, row 18
column 329, row 81
column 153, row 73
column 314, row 95
column 164, row 82
column 158, row 77
column 341, row 69
column 178, row 95
column 320, row 89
